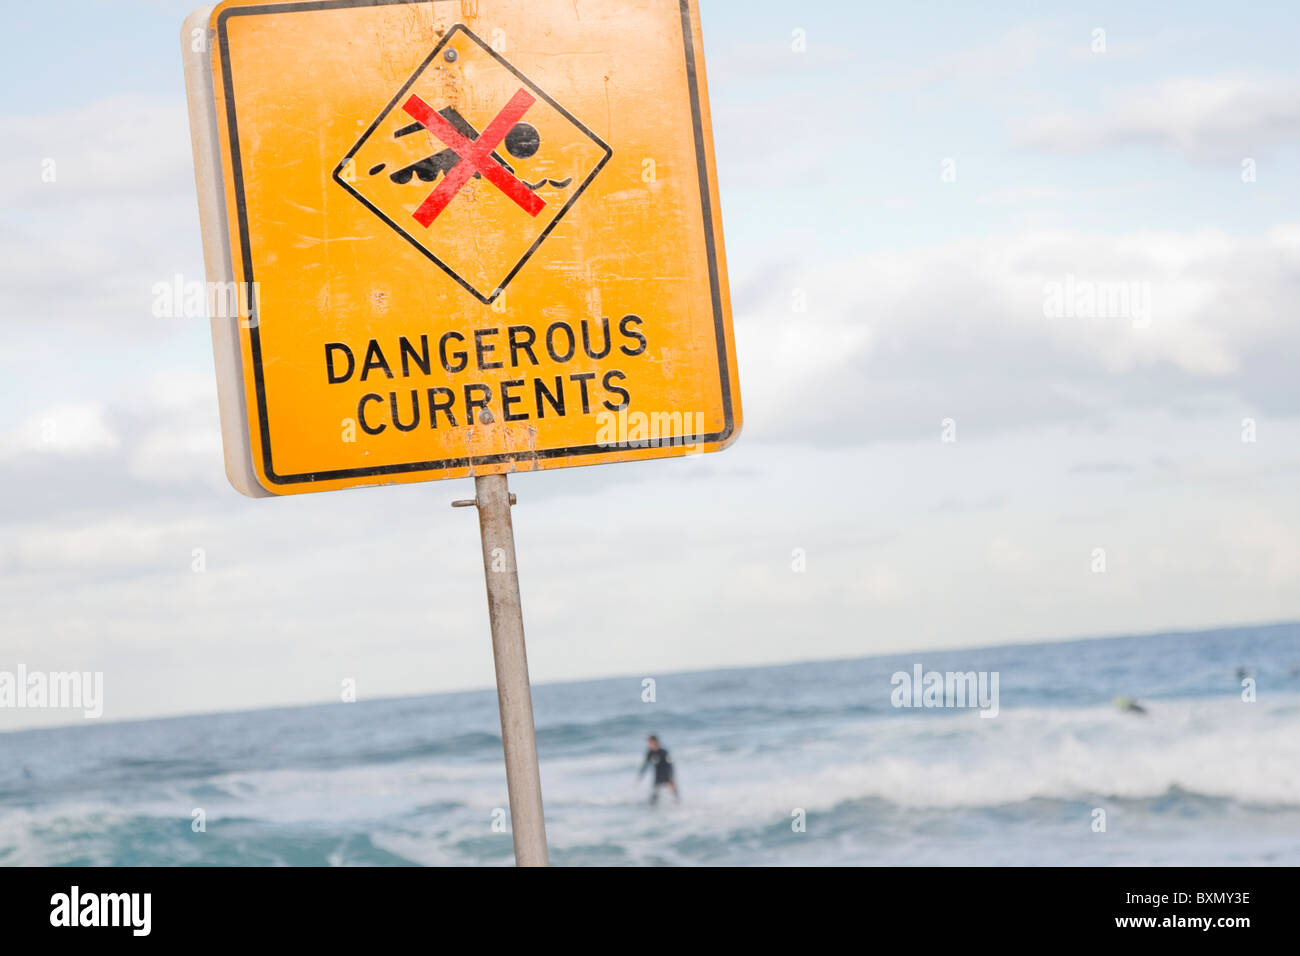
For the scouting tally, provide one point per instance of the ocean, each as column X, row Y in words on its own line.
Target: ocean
column 800, row 764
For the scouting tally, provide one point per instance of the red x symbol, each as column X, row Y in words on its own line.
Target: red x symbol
column 475, row 156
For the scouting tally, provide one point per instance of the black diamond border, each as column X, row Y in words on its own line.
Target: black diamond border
column 401, row 94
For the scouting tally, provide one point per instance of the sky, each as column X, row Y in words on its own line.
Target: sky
column 933, row 456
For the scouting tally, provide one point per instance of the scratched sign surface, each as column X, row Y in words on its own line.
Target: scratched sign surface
column 477, row 236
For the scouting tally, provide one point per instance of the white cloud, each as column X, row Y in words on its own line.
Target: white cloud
column 1223, row 118
column 896, row 341
column 1008, row 54
column 174, row 453
column 124, row 146
column 97, row 204
column 62, row 430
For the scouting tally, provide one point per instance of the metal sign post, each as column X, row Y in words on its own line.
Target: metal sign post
column 523, row 778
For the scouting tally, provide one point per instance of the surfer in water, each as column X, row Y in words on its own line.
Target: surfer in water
column 663, row 764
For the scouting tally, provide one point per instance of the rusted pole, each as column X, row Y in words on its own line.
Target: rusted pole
column 523, row 779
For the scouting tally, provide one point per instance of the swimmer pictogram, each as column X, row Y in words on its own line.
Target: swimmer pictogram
column 505, row 161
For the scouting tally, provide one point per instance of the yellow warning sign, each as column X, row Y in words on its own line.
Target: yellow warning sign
column 477, row 236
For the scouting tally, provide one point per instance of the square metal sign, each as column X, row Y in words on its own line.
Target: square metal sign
column 468, row 237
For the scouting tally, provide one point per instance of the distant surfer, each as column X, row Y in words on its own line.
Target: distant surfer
column 663, row 764
column 1129, row 705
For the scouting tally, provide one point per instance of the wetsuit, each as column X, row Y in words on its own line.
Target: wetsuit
column 663, row 765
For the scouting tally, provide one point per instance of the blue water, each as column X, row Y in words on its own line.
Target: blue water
column 1202, row 778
